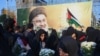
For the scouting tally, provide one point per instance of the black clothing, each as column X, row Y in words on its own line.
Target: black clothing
column 30, row 37
column 52, row 42
column 69, row 45
column 6, row 44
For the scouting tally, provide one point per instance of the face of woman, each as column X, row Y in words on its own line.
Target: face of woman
column 40, row 21
column 74, row 36
column 42, row 37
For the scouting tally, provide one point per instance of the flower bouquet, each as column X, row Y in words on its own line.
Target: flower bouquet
column 87, row 48
column 46, row 52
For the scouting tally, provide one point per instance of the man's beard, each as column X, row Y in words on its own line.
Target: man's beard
column 37, row 28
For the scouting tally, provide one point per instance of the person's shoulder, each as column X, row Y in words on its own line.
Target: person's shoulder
column 67, row 39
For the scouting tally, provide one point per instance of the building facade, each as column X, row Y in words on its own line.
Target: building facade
column 28, row 3
column 24, row 3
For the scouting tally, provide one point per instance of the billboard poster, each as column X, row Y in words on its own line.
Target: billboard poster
column 61, row 16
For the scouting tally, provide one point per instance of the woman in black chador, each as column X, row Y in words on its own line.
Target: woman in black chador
column 68, row 44
column 8, row 37
column 52, row 42
column 39, row 42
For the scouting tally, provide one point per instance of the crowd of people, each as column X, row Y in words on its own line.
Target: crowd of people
column 15, row 41
column 28, row 40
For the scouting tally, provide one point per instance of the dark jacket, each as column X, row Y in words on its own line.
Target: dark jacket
column 6, row 44
column 52, row 42
column 69, row 45
column 30, row 37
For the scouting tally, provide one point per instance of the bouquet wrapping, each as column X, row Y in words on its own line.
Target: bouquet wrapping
column 46, row 52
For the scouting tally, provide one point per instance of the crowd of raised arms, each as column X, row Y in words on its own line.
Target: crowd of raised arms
column 24, row 41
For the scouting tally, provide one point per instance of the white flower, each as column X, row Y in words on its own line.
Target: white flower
column 88, row 47
column 93, row 44
column 88, row 44
column 84, row 43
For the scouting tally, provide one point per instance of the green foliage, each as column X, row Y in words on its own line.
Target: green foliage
column 87, row 52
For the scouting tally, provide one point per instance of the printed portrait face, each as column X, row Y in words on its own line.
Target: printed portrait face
column 40, row 21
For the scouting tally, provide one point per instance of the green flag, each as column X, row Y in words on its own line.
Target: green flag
column 72, row 20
